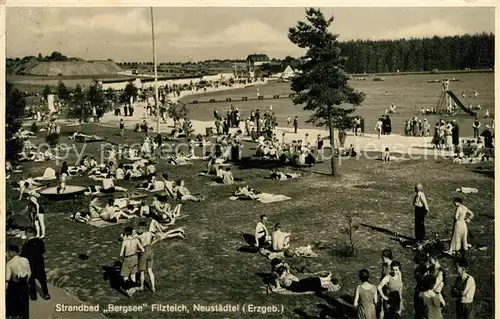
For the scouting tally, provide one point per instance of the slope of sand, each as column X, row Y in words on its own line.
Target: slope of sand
column 70, row 68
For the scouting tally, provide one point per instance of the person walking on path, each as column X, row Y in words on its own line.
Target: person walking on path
column 33, row 250
column 421, row 211
column 17, row 274
column 296, row 124
column 463, row 215
column 464, row 291
column 122, row 127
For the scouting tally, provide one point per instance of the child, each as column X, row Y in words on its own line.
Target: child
column 129, row 249
column 62, row 185
column 387, row 155
column 146, row 258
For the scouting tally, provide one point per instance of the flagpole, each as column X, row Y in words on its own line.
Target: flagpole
column 156, row 72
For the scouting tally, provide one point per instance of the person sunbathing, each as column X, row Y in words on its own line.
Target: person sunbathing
column 225, row 176
column 184, row 194
column 161, row 231
column 280, row 176
column 108, row 187
column 94, row 207
column 120, row 172
column 81, row 217
column 246, row 193
column 285, row 280
column 144, row 210
column 280, row 240
column 111, row 213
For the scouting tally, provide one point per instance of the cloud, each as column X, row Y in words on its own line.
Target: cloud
column 246, row 32
column 435, row 27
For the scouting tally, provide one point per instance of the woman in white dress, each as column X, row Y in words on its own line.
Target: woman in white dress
column 459, row 238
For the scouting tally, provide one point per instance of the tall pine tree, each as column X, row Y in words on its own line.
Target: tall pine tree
column 322, row 86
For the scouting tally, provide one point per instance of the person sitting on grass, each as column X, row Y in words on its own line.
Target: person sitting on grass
column 94, row 208
column 225, row 176
column 184, row 194
column 108, row 187
column 120, row 172
column 112, row 214
column 280, row 240
column 144, row 210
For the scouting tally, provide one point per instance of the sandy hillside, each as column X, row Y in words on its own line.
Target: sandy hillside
column 70, row 68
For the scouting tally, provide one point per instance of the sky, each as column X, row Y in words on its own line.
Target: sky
column 194, row 34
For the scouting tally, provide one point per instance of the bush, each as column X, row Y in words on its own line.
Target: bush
column 349, row 230
column 52, row 139
column 34, row 128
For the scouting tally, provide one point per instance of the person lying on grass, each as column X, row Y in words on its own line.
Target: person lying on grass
column 245, row 192
column 284, row 280
column 112, row 214
column 161, row 232
column 184, row 194
column 81, row 217
column 280, row 176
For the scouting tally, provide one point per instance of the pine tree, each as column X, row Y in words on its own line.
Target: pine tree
column 322, row 84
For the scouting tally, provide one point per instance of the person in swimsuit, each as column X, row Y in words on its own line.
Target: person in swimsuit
column 130, row 246
column 365, row 298
column 146, row 258
column 391, row 292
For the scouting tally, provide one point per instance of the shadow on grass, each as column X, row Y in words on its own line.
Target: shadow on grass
column 485, row 171
column 337, row 308
column 250, row 247
column 253, row 163
column 388, row 232
column 112, row 274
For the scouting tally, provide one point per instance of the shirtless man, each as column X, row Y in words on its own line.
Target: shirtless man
column 128, row 252
column 111, row 213
column 146, row 258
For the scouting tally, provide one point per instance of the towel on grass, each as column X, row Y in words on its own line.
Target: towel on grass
column 265, row 198
column 467, row 190
column 102, row 223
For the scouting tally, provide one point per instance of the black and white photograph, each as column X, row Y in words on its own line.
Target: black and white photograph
column 249, row 162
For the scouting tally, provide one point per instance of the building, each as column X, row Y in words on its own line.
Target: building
column 256, row 60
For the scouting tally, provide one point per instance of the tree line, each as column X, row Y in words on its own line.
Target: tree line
column 414, row 55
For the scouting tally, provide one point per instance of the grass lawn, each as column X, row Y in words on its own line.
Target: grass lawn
column 206, row 267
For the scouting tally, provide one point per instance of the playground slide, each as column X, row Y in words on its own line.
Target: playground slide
column 463, row 107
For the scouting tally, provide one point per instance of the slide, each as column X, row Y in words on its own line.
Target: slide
column 455, row 98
